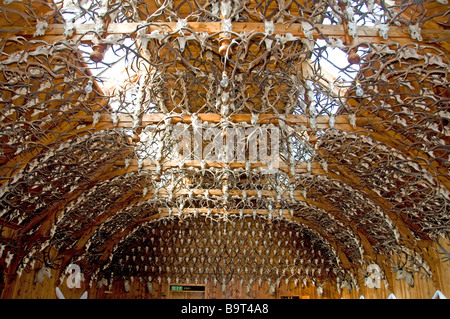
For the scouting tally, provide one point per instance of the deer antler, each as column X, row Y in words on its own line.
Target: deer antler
column 442, row 251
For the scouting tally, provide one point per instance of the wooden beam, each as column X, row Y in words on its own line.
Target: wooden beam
column 67, row 129
column 322, row 121
column 365, row 33
column 151, row 165
column 8, row 224
column 364, row 125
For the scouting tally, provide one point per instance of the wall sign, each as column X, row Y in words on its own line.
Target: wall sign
column 187, row 288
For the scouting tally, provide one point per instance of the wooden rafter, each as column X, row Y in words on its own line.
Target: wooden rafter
column 323, row 121
column 365, row 33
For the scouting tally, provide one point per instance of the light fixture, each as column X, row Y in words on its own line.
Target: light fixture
column 224, row 81
column 88, row 87
column 97, row 54
column 359, row 90
column 353, row 57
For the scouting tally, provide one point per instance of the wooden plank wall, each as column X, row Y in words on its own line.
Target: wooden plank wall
column 23, row 287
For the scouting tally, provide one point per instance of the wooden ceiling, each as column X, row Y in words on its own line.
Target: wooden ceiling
column 85, row 176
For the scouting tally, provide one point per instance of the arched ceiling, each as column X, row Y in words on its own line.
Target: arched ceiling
column 90, row 166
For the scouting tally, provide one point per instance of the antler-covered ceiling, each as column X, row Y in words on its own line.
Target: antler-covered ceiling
column 96, row 96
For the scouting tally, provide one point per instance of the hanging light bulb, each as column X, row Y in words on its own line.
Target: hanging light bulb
column 224, row 81
column 359, row 90
column 88, row 87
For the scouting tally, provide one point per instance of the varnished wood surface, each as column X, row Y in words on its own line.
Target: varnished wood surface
column 23, row 288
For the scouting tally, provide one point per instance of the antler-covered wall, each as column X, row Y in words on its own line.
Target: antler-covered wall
column 97, row 97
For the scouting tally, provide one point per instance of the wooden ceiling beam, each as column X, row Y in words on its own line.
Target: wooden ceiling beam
column 68, row 129
column 364, row 125
column 322, row 121
column 151, row 165
column 365, row 33
column 430, row 8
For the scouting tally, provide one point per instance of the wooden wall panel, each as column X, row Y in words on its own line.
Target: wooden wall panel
column 23, row 287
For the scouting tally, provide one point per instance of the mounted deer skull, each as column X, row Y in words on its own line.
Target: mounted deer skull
column 102, row 282
column 224, row 286
column 319, row 287
column 248, row 286
column 272, row 289
column 347, row 285
column 150, row 285
column 126, row 286
column 402, row 273
column 372, row 276
column 47, row 264
column 319, row 291
column 273, row 286
column 41, row 274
